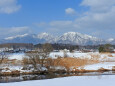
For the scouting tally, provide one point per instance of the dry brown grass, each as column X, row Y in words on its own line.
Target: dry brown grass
column 105, row 53
column 16, row 72
column 95, row 56
column 4, row 60
column 113, row 68
column 72, row 62
column 102, row 70
column 13, row 61
column 64, row 62
column 110, row 55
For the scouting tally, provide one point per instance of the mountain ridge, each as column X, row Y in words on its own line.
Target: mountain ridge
column 66, row 38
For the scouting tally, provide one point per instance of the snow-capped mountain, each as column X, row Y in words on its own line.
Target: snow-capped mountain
column 47, row 37
column 111, row 41
column 18, row 36
column 66, row 38
column 78, row 38
column 26, row 38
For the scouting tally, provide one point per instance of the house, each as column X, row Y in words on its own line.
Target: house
column 55, row 50
column 88, row 50
column 65, row 50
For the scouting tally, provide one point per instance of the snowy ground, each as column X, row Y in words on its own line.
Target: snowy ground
column 107, row 61
column 105, row 65
column 104, row 80
column 104, row 56
column 74, row 54
column 18, row 56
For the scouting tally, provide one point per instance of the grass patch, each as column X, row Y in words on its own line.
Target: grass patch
column 72, row 62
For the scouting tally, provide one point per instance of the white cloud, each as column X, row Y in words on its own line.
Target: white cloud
column 100, row 15
column 98, row 20
column 12, row 31
column 57, row 27
column 70, row 11
column 99, row 5
column 18, row 29
column 9, row 6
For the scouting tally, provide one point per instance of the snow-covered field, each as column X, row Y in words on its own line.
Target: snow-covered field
column 104, row 80
column 74, row 54
column 107, row 60
column 107, row 56
column 105, row 65
column 18, row 56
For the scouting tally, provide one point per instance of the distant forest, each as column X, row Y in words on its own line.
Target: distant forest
column 55, row 46
column 70, row 47
column 17, row 45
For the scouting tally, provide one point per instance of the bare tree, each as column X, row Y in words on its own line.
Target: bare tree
column 46, row 49
column 2, row 57
column 34, row 59
column 39, row 56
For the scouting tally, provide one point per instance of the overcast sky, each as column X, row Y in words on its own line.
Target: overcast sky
column 92, row 17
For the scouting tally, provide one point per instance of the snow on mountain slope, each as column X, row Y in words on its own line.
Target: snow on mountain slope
column 26, row 38
column 66, row 38
column 20, row 36
column 111, row 41
column 47, row 37
column 78, row 38
column 44, row 35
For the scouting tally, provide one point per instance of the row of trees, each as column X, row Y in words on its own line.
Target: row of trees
column 106, row 48
column 17, row 45
column 60, row 46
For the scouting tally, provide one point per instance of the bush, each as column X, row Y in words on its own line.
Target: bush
column 106, row 48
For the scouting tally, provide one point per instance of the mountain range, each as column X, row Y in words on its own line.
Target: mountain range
column 66, row 38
